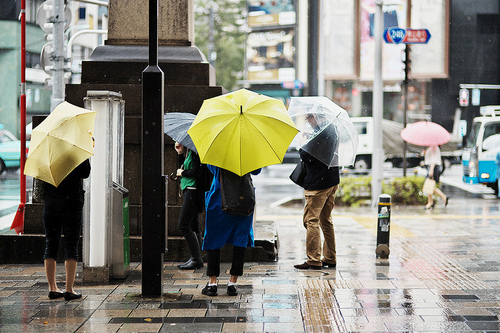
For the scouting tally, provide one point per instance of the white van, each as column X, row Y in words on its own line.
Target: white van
column 392, row 144
column 481, row 147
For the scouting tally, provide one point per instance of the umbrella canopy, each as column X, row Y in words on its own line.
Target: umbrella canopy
column 242, row 131
column 60, row 143
column 425, row 133
column 176, row 124
column 327, row 132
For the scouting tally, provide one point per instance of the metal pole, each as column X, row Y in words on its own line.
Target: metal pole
column 321, row 55
column 211, row 45
column 378, row 103
column 153, row 181
column 18, row 222
column 58, row 55
column 313, row 48
column 405, row 104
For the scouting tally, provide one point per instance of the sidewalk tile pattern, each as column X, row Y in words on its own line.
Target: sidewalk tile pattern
column 441, row 276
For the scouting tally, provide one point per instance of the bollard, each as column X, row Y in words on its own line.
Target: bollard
column 384, row 225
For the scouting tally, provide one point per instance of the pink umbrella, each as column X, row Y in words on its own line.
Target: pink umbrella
column 425, row 133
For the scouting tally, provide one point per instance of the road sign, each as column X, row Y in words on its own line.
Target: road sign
column 396, row 35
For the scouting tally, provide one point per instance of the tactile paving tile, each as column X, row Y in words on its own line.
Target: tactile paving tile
column 320, row 310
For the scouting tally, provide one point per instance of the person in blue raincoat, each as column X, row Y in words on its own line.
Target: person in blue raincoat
column 221, row 229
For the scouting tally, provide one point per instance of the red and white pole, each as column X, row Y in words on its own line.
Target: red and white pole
column 18, row 223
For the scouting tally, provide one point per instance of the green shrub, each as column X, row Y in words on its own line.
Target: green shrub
column 356, row 191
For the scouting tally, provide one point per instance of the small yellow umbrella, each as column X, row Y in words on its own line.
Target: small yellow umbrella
column 60, row 143
column 242, row 131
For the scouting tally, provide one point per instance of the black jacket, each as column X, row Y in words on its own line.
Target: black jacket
column 71, row 187
column 318, row 175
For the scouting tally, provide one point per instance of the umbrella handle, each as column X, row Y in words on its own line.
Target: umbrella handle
column 173, row 176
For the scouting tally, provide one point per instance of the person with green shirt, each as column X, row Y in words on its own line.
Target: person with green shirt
column 190, row 172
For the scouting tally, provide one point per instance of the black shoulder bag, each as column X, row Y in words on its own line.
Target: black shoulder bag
column 299, row 174
column 237, row 193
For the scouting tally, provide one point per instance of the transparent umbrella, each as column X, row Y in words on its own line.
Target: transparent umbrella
column 326, row 131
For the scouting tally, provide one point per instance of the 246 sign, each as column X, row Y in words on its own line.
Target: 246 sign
column 398, row 35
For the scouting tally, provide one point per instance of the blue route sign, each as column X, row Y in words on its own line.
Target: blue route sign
column 396, row 35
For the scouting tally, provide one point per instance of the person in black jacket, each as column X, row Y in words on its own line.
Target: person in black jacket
column 63, row 214
column 320, row 186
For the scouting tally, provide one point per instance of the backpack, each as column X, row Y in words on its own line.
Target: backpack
column 237, row 193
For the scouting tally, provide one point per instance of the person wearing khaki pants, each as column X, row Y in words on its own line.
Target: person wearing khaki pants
column 318, row 218
column 320, row 185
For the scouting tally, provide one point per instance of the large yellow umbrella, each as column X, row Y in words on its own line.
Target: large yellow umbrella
column 60, row 143
column 242, row 131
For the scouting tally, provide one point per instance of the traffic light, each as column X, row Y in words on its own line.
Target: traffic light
column 407, row 62
column 464, row 97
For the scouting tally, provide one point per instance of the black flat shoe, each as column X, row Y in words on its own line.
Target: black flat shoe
column 209, row 290
column 70, row 296
column 306, row 266
column 446, row 201
column 55, row 294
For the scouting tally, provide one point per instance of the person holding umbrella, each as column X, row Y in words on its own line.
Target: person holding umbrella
column 62, row 213
column 332, row 143
column 222, row 228
column 320, row 184
column 432, row 135
column 432, row 158
column 190, row 173
column 59, row 155
column 236, row 134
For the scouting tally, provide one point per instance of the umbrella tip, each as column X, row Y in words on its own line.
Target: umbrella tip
column 241, row 109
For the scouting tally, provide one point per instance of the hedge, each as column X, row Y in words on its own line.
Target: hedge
column 356, row 191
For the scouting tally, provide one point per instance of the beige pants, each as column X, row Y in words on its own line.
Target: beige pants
column 318, row 214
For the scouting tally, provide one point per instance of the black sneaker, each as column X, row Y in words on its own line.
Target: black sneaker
column 306, row 266
column 232, row 291
column 209, row 290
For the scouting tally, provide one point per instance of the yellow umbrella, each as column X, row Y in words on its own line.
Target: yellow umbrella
column 242, row 131
column 60, row 143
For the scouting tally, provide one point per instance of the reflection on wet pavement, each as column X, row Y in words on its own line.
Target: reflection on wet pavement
column 442, row 275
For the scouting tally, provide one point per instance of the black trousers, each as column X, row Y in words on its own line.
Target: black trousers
column 213, row 261
column 62, row 217
column 188, row 220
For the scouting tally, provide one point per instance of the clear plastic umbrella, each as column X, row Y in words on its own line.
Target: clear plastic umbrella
column 326, row 131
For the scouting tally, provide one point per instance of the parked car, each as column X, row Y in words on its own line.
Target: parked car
column 10, row 150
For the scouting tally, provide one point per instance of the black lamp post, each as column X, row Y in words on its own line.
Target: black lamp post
column 153, row 181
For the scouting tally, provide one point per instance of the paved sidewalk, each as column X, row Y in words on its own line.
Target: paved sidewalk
column 442, row 275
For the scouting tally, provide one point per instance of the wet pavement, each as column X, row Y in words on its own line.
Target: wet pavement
column 442, row 275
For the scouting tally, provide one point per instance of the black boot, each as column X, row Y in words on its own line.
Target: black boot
column 186, row 263
column 200, row 239
column 194, row 248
